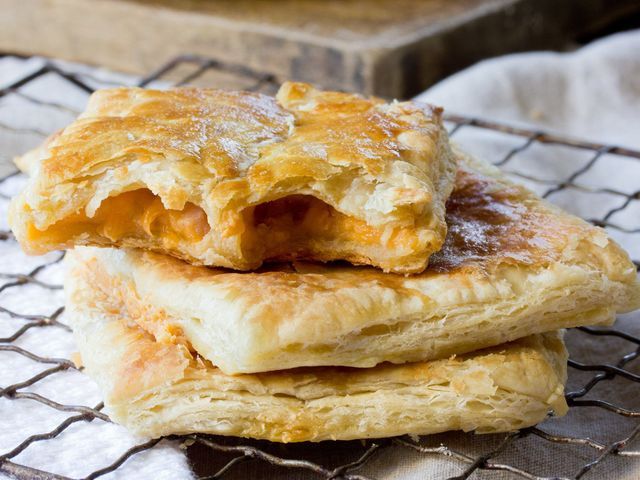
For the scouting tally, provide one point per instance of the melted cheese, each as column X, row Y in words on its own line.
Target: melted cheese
column 141, row 214
column 292, row 225
column 136, row 214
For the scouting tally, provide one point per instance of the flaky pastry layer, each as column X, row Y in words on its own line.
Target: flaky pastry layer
column 155, row 388
column 512, row 266
column 233, row 179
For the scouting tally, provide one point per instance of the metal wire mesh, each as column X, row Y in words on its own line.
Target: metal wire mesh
column 233, row 452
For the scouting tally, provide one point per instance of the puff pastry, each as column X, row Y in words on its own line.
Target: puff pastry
column 233, row 179
column 157, row 388
column 513, row 265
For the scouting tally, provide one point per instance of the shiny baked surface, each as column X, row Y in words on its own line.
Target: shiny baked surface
column 512, row 265
column 233, row 179
column 157, row 388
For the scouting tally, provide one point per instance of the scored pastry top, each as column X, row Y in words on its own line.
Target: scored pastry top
column 233, row 179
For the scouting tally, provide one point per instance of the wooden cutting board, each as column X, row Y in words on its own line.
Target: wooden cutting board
column 389, row 48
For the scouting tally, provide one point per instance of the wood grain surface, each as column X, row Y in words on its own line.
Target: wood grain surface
column 389, row 48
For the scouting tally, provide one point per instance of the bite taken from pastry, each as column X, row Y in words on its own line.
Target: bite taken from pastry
column 234, row 179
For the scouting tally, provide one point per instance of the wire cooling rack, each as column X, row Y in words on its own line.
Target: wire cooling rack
column 348, row 460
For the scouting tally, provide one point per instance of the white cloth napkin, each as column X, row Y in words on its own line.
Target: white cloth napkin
column 592, row 93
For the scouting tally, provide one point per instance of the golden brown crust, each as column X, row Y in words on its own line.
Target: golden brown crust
column 512, row 266
column 381, row 171
column 156, row 388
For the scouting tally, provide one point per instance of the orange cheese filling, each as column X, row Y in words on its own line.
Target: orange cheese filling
column 136, row 214
column 140, row 214
column 291, row 225
column 296, row 226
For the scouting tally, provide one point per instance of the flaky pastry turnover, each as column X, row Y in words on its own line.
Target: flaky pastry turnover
column 512, row 265
column 232, row 179
column 158, row 388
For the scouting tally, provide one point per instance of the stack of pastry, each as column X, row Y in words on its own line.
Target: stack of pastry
column 311, row 266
